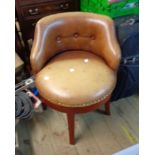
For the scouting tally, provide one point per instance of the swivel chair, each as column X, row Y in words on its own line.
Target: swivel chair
column 75, row 57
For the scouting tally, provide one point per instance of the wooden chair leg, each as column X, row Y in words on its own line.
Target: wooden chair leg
column 44, row 106
column 70, row 118
column 107, row 108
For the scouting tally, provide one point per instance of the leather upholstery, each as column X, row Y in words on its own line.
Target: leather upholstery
column 74, row 31
column 75, row 79
column 75, row 57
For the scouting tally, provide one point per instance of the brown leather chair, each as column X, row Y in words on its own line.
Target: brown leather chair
column 75, row 57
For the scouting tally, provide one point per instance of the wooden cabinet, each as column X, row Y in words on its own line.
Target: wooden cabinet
column 30, row 11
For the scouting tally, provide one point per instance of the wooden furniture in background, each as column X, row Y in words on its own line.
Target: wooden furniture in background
column 19, row 48
column 30, row 11
column 19, row 63
column 19, row 67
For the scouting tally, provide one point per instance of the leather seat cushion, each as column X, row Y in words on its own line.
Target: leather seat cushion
column 75, row 79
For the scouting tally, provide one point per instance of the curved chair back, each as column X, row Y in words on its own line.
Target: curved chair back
column 74, row 31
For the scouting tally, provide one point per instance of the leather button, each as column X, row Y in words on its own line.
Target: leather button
column 92, row 37
column 58, row 39
column 76, row 35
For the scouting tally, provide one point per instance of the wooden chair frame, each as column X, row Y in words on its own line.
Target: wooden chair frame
column 71, row 111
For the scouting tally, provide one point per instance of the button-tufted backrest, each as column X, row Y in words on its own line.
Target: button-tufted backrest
column 74, row 31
